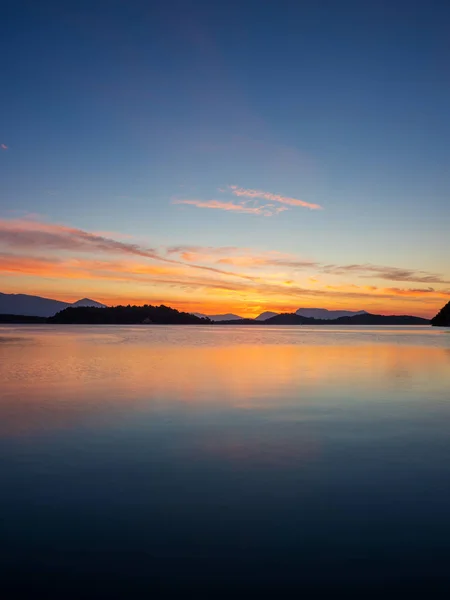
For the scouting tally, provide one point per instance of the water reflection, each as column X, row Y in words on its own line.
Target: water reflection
column 58, row 378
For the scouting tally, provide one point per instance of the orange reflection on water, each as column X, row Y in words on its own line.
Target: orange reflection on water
column 59, row 380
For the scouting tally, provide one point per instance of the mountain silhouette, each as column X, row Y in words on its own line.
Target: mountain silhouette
column 442, row 319
column 266, row 315
column 88, row 302
column 35, row 306
column 225, row 317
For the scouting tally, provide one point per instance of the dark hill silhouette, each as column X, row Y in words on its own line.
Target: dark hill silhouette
column 240, row 322
column 126, row 315
column 442, row 319
column 361, row 319
column 288, row 319
column 21, row 319
column 370, row 319
column 265, row 315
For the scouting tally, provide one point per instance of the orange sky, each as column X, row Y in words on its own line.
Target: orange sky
column 37, row 257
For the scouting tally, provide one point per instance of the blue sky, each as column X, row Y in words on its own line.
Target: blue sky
column 114, row 112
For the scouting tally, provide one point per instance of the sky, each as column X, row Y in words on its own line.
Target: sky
column 235, row 156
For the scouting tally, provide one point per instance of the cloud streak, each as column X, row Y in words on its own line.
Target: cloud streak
column 242, row 257
column 27, row 234
column 32, row 234
column 383, row 272
column 249, row 202
column 263, row 261
column 259, row 194
column 247, row 257
column 266, row 210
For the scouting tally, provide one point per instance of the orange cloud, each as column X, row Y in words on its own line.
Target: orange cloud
column 242, row 257
column 241, row 192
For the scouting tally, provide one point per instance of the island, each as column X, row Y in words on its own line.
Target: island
column 361, row 319
column 126, row 315
column 164, row 315
column 442, row 319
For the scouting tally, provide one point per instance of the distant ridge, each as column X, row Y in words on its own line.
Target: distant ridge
column 36, row 306
column 31, row 306
column 225, row 317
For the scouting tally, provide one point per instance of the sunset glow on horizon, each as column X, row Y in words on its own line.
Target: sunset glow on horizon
column 59, row 261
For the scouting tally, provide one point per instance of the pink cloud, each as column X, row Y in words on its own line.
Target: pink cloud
column 266, row 210
column 35, row 235
column 241, row 192
column 3, row 146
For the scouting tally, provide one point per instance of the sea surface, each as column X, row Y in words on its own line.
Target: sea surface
column 223, row 459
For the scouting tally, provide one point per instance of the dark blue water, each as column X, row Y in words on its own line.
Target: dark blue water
column 155, row 460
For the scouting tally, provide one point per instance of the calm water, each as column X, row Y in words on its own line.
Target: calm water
column 223, row 458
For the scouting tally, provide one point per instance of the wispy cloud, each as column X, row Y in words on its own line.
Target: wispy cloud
column 267, row 261
column 28, row 234
column 415, row 291
column 32, row 234
column 205, row 250
column 249, row 201
column 3, row 146
column 383, row 272
column 248, row 257
column 254, row 194
column 242, row 257
column 265, row 210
